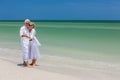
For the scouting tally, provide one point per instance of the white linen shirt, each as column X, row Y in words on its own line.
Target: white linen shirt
column 24, row 40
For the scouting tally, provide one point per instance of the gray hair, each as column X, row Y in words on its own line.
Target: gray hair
column 27, row 20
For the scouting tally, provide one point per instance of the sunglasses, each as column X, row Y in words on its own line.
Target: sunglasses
column 30, row 25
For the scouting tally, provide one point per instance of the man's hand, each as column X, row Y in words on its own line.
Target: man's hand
column 25, row 35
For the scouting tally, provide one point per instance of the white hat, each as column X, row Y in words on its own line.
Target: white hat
column 27, row 20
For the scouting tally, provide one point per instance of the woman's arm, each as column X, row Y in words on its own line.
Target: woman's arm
column 32, row 35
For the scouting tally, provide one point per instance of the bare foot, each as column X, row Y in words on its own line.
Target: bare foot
column 29, row 66
column 34, row 64
column 26, row 64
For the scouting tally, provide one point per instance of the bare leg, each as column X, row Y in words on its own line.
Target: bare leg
column 33, row 62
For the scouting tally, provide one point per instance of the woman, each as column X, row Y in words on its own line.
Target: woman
column 34, row 53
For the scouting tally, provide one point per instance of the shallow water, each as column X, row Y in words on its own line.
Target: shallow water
column 96, row 41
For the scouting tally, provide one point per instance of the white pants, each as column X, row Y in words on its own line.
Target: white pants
column 25, row 49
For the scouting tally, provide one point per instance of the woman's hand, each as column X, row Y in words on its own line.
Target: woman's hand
column 30, row 39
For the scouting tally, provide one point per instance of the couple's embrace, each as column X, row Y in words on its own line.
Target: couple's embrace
column 30, row 44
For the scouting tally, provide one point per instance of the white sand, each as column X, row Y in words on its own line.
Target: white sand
column 9, row 71
column 54, row 68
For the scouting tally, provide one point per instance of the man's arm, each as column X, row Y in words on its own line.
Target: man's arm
column 25, row 35
column 22, row 33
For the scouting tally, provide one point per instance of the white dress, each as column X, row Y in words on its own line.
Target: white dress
column 34, row 46
column 24, row 43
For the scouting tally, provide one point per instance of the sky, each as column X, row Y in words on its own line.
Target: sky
column 60, row 9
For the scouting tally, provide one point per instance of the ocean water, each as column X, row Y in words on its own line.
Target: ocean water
column 81, row 40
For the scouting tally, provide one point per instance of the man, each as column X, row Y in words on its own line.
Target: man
column 24, row 34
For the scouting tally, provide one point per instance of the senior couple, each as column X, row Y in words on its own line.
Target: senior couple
column 30, row 44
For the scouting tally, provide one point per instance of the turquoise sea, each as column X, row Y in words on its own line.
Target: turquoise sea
column 82, row 40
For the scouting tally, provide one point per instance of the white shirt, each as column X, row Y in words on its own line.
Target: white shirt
column 24, row 30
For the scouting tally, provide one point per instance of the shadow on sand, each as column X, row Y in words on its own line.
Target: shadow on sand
column 20, row 65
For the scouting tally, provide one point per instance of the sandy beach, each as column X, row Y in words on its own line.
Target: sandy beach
column 70, row 51
column 10, row 71
column 49, row 68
